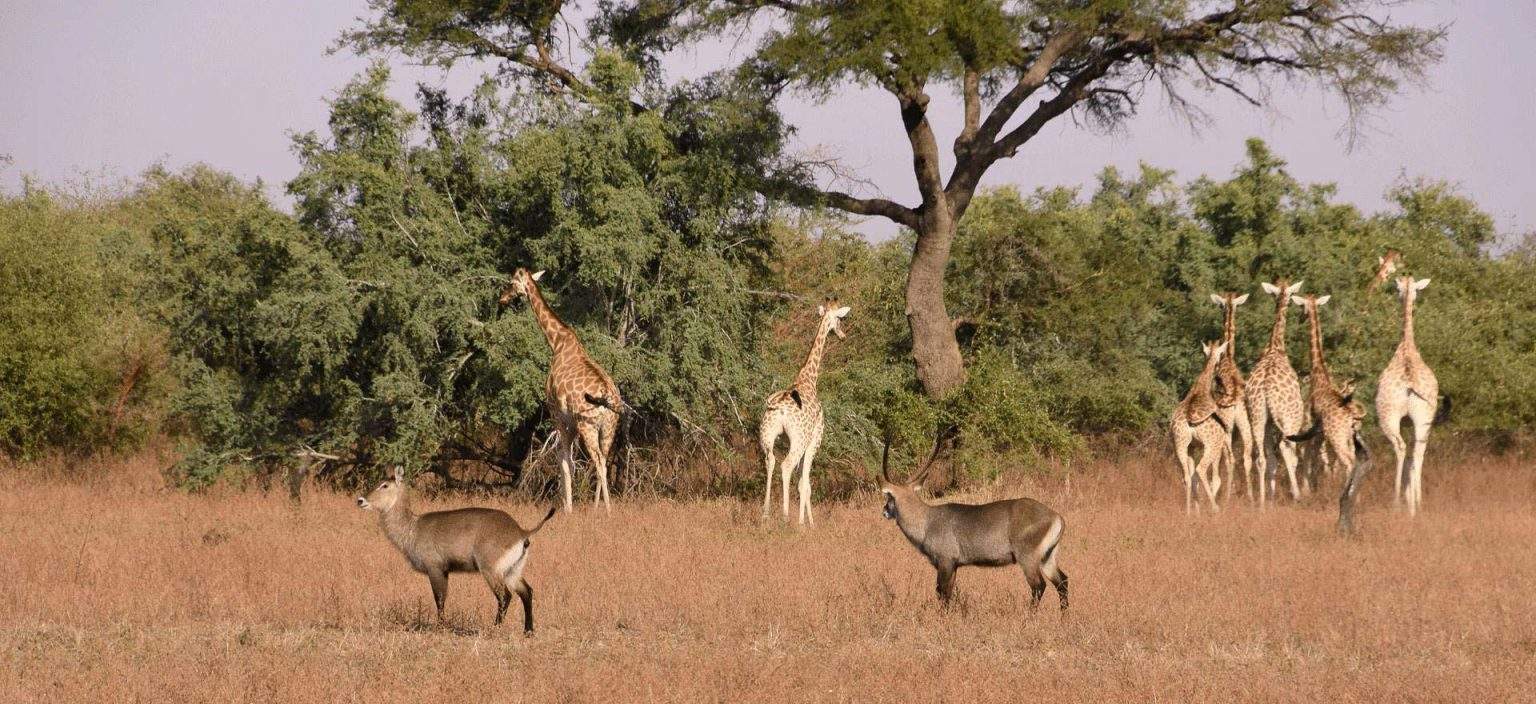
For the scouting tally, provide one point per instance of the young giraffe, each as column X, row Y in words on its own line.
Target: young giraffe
column 1335, row 412
column 1273, row 393
column 1385, row 266
column 1233, row 410
column 582, row 399
column 796, row 412
column 1407, row 387
column 1196, row 419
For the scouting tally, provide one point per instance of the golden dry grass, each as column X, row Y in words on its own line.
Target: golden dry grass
column 117, row 589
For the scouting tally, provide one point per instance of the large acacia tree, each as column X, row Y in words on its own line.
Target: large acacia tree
column 1014, row 66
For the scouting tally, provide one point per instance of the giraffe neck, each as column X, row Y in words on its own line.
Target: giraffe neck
column 1407, row 342
column 554, row 330
column 806, row 379
column 1277, row 333
column 1207, row 375
column 1229, row 327
column 1315, row 334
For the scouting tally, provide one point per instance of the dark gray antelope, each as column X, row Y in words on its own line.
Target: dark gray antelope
column 439, row 543
column 1015, row 531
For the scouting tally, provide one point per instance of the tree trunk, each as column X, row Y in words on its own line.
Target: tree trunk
column 934, row 347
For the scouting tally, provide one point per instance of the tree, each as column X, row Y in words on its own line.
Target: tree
column 1006, row 60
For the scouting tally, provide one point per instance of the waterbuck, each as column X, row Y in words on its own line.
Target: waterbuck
column 1015, row 531
column 439, row 543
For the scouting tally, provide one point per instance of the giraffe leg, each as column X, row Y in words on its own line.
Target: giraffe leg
column 1392, row 427
column 1422, row 417
column 805, row 479
column 1289, row 458
column 768, row 432
column 610, row 428
column 1209, row 471
column 791, row 460
column 1258, row 424
column 593, row 445
column 1245, row 442
column 1181, row 438
column 567, row 456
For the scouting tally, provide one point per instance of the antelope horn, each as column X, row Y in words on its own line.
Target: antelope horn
column 922, row 470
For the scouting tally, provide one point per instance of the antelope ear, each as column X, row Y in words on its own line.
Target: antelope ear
column 1240, row 300
column 1270, row 288
column 1294, row 288
column 1323, row 300
column 1420, row 284
column 841, row 312
column 399, row 474
column 1217, row 299
column 538, row 274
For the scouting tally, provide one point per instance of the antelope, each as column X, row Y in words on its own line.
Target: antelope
column 1014, row 531
column 436, row 544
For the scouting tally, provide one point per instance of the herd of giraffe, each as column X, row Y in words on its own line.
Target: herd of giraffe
column 585, row 405
column 1221, row 403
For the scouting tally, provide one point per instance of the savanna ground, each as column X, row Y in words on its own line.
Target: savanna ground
column 116, row 588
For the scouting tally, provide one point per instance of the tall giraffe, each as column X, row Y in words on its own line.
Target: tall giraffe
column 1233, row 409
column 796, row 412
column 582, row 399
column 1407, row 387
column 1335, row 412
column 1273, row 393
column 1196, row 418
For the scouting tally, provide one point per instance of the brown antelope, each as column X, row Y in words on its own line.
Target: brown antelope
column 436, row 544
column 1014, row 531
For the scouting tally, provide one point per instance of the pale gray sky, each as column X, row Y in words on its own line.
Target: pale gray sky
column 104, row 87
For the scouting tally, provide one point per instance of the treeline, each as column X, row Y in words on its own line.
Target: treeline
column 363, row 326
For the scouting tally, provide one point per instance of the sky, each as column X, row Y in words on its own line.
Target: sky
column 98, row 90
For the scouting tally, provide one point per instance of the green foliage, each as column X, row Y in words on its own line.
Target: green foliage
column 79, row 370
column 366, row 327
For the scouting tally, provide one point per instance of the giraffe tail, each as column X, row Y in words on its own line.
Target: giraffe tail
column 1308, row 434
column 1443, row 413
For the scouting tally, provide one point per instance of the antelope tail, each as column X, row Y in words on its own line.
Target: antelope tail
column 542, row 521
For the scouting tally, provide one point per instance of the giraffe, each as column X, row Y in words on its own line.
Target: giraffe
column 582, row 399
column 796, row 412
column 1196, row 418
column 1385, row 266
column 1407, row 387
column 1335, row 412
column 1274, row 394
column 1233, row 410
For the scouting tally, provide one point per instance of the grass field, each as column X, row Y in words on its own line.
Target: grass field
column 117, row 589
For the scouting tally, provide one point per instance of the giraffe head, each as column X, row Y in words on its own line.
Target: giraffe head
column 1212, row 351
column 1386, row 265
column 521, row 285
column 1311, row 302
column 1228, row 299
column 1282, row 289
column 1345, row 389
column 832, row 316
column 1408, row 289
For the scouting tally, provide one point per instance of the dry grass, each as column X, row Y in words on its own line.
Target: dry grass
column 117, row 589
